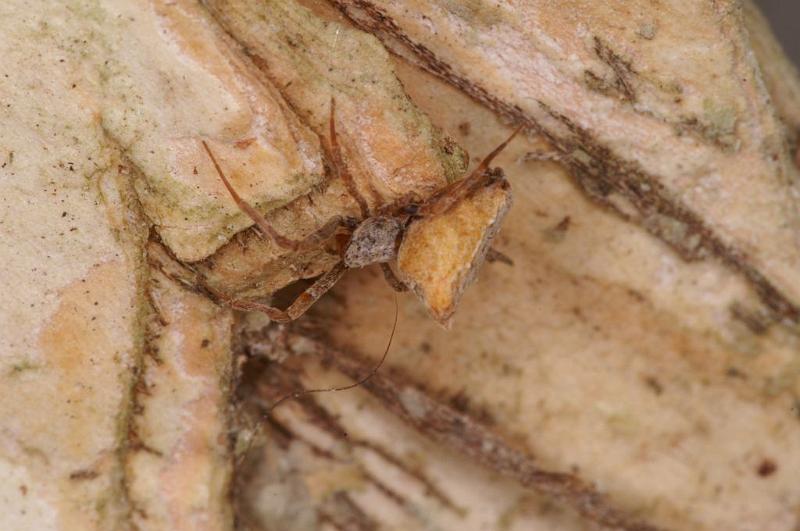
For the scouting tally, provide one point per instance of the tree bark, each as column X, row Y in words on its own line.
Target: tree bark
column 635, row 366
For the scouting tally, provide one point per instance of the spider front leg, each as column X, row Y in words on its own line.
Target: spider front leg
column 334, row 152
column 454, row 193
column 392, row 279
column 300, row 305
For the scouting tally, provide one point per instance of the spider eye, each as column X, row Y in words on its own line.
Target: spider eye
column 411, row 209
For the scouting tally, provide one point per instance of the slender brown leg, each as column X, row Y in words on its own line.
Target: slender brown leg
column 409, row 198
column 452, row 194
column 484, row 165
column 245, row 305
column 493, row 255
column 392, row 279
column 340, row 167
column 321, row 235
column 309, row 242
column 300, row 305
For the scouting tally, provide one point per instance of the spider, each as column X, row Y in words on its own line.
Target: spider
column 375, row 240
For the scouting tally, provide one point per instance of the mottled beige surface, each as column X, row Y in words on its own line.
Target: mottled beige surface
column 73, row 271
column 165, row 79
column 71, row 281
column 159, row 77
column 389, row 147
column 179, row 468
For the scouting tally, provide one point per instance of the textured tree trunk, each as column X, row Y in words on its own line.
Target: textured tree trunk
column 635, row 366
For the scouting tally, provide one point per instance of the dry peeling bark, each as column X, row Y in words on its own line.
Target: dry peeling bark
column 620, row 102
column 163, row 76
column 77, row 311
column 72, row 277
column 179, row 464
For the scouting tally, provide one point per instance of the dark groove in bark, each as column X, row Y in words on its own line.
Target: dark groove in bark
column 283, row 381
column 444, row 424
column 622, row 68
column 341, row 512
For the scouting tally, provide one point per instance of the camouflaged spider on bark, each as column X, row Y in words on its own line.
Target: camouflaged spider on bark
column 373, row 240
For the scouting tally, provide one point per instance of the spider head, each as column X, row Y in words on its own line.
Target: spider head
column 410, row 209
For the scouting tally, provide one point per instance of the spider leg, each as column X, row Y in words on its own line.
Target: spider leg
column 452, row 194
column 493, row 255
column 339, row 166
column 300, row 305
column 409, row 199
column 309, row 242
column 392, row 279
column 484, row 165
column 316, row 238
column 246, row 305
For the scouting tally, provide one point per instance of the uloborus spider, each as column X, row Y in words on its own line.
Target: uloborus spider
column 373, row 240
